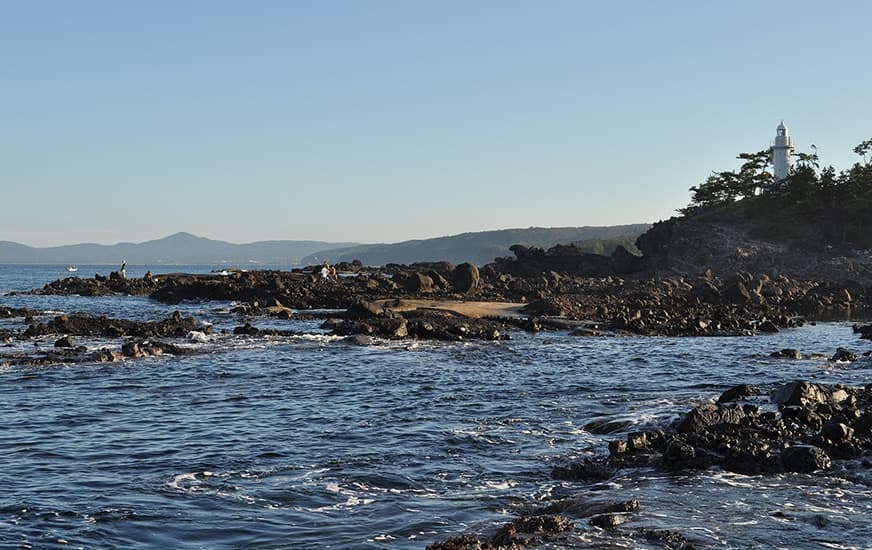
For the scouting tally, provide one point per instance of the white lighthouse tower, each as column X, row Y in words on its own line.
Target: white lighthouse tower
column 781, row 152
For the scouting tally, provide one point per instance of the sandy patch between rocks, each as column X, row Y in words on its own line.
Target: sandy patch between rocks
column 467, row 309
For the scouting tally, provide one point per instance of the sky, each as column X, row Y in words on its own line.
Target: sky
column 389, row 120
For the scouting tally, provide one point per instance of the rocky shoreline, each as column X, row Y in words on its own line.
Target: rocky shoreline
column 797, row 426
column 562, row 288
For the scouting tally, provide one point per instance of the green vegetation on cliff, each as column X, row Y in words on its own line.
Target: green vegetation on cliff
column 811, row 203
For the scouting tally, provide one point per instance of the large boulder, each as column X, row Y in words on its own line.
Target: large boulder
column 708, row 415
column 805, row 459
column 418, row 282
column 363, row 309
column 465, row 278
column 800, row 393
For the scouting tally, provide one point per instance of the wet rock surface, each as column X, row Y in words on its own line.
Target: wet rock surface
column 521, row 532
column 87, row 325
column 137, row 339
column 809, row 426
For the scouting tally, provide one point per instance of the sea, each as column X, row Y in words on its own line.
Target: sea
column 311, row 441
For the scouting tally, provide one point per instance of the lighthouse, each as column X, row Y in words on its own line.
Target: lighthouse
column 781, row 152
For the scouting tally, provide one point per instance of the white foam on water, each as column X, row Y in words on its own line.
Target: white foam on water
column 351, row 501
column 198, row 337
column 318, row 337
column 176, row 482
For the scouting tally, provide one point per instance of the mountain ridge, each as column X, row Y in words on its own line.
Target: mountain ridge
column 480, row 247
column 185, row 248
column 177, row 249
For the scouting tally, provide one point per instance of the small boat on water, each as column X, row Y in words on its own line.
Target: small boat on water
column 72, row 268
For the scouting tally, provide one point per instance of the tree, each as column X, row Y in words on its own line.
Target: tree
column 808, row 160
column 863, row 149
column 717, row 189
column 754, row 174
column 725, row 187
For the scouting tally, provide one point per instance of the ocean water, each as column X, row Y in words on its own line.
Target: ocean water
column 310, row 442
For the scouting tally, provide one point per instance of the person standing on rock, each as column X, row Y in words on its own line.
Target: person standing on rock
column 123, row 269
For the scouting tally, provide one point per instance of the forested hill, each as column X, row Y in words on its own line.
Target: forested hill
column 483, row 247
column 815, row 223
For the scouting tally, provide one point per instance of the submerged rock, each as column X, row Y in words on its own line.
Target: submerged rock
column 843, row 355
column 787, row 353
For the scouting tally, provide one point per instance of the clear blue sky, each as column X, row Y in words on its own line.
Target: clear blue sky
column 381, row 121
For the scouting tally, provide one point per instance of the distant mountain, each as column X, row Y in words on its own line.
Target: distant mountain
column 178, row 249
column 479, row 248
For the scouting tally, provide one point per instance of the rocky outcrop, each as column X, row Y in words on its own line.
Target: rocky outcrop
column 87, row 325
column 521, row 532
column 726, row 241
column 431, row 325
column 568, row 260
column 815, row 424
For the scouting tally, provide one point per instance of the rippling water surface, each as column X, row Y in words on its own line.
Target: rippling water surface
column 309, row 442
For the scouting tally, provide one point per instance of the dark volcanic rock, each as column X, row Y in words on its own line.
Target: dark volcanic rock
column 246, row 329
column 736, row 293
column 843, row 355
column 363, row 309
column 587, row 470
column 528, row 530
column 709, row 415
column 515, row 535
column 137, row 350
column 865, row 331
column 106, row 356
column 666, row 539
column 787, row 353
column 385, row 327
column 607, row 521
column 434, row 325
column 768, row 326
column 818, row 423
column 805, row 459
column 737, row 393
column 582, row 507
column 837, row 433
column 65, row 342
column 86, row 325
column 800, row 393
